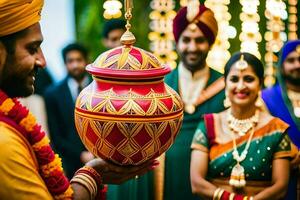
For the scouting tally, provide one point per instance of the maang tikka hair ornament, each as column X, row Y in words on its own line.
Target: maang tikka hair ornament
column 241, row 64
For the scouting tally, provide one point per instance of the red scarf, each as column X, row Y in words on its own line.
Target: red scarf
column 50, row 166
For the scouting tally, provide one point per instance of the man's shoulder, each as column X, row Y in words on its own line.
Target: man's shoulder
column 216, row 79
column 18, row 169
column 171, row 77
column 12, row 144
column 215, row 74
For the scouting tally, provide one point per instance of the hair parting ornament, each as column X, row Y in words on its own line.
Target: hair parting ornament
column 241, row 64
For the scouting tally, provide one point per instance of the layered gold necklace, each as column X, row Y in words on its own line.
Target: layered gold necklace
column 241, row 127
column 295, row 99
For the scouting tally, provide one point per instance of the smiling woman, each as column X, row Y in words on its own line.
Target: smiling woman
column 242, row 152
column 244, row 77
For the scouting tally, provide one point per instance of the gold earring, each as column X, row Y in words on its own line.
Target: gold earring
column 226, row 101
column 259, row 102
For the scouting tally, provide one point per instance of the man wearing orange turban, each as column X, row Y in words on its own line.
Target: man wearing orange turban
column 29, row 168
column 201, row 88
column 16, row 15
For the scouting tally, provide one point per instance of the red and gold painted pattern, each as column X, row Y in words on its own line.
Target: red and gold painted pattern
column 127, row 58
column 128, row 114
column 127, row 62
column 128, row 124
column 126, row 142
column 156, row 99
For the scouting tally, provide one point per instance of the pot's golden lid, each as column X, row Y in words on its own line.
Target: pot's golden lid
column 127, row 58
column 127, row 61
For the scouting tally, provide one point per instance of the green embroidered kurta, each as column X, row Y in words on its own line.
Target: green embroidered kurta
column 177, row 164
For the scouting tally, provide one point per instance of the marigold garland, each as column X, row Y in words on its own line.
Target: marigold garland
column 50, row 166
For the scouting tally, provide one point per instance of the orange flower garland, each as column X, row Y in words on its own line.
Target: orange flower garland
column 50, row 166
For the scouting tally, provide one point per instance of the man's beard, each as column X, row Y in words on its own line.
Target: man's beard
column 17, row 85
column 294, row 80
column 196, row 65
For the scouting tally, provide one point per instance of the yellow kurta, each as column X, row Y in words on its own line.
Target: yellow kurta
column 19, row 177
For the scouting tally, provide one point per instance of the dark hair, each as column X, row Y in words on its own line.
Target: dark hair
column 9, row 41
column 113, row 24
column 74, row 47
column 252, row 60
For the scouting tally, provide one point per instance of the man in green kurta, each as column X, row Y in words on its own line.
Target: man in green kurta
column 201, row 89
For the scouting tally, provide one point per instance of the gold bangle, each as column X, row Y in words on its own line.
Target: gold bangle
column 220, row 194
column 92, row 181
column 216, row 192
column 83, row 183
column 231, row 196
column 91, row 184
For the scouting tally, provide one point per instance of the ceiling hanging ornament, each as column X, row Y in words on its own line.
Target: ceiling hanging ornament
column 292, row 20
column 112, row 9
column 161, row 35
column 219, row 54
column 275, row 37
column 128, row 38
column 250, row 35
column 128, row 115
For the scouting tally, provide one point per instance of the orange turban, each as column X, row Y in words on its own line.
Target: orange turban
column 17, row 15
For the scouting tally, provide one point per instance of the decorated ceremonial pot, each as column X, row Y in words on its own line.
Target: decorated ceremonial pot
column 128, row 115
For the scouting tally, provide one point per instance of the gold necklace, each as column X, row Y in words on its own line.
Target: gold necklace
column 237, row 177
column 241, row 127
column 189, row 105
column 295, row 99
